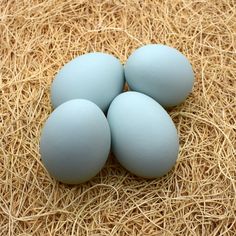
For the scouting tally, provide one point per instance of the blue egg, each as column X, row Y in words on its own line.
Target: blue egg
column 75, row 141
column 98, row 77
column 144, row 137
column 160, row 72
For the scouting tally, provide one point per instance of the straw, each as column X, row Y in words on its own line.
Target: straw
column 198, row 197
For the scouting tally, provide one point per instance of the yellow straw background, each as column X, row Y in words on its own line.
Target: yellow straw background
column 198, row 197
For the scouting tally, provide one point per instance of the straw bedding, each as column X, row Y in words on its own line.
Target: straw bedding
column 198, row 197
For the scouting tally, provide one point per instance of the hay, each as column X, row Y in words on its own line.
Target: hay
column 198, row 197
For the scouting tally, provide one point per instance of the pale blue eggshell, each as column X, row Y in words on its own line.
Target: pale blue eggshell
column 161, row 72
column 75, row 141
column 144, row 137
column 98, row 77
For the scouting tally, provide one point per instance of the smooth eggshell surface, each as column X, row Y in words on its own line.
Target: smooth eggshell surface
column 98, row 77
column 75, row 141
column 144, row 137
column 160, row 72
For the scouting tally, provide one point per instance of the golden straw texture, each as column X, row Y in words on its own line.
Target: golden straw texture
column 198, row 197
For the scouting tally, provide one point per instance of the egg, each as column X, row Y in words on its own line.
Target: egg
column 160, row 72
column 75, row 141
column 144, row 137
column 98, row 77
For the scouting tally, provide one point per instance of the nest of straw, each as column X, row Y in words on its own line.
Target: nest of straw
column 198, row 197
